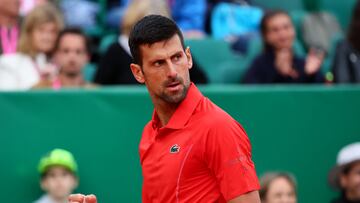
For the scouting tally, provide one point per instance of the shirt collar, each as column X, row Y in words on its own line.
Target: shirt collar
column 184, row 111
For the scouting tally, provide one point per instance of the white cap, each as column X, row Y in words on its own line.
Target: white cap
column 347, row 155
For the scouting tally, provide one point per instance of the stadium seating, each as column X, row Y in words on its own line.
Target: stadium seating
column 280, row 4
column 217, row 60
column 342, row 9
column 105, row 42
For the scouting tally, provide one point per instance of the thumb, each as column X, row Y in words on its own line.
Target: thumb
column 76, row 198
column 90, row 199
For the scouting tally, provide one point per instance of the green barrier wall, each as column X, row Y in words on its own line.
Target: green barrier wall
column 297, row 128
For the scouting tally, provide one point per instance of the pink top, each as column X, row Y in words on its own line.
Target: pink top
column 56, row 84
column 9, row 39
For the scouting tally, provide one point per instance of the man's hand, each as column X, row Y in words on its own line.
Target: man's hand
column 80, row 198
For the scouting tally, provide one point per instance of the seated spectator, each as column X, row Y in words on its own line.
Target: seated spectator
column 71, row 55
column 236, row 23
column 346, row 65
column 190, row 16
column 211, row 4
column 114, row 66
column 345, row 176
column 22, row 70
column 9, row 26
column 58, row 171
column 278, row 188
column 115, row 12
column 278, row 63
column 80, row 13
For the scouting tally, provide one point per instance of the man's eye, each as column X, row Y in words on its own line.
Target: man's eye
column 158, row 63
column 177, row 57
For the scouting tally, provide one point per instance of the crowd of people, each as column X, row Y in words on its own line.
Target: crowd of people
column 59, row 178
column 45, row 44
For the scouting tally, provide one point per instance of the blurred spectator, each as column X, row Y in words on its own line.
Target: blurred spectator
column 210, row 5
column 278, row 63
column 190, row 16
column 58, row 171
column 71, row 55
column 115, row 12
column 22, row 70
column 9, row 25
column 345, row 176
column 319, row 28
column 346, row 66
column 237, row 23
column 114, row 67
column 278, row 188
column 80, row 13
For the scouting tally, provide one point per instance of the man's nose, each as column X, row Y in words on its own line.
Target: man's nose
column 171, row 70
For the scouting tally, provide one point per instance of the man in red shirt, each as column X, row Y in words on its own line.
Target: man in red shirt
column 191, row 150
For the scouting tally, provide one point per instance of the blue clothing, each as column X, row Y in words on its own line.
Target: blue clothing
column 263, row 71
column 233, row 20
column 115, row 13
column 188, row 14
column 80, row 13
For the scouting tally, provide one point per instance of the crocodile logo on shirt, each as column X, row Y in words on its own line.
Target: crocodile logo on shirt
column 174, row 149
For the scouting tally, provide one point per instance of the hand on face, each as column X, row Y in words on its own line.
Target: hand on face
column 313, row 61
column 283, row 63
column 48, row 72
column 80, row 198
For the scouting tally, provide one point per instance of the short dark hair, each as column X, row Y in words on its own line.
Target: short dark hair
column 149, row 30
column 74, row 31
column 264, row 25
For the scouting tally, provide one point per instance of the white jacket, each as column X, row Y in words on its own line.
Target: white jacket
column 17, row 72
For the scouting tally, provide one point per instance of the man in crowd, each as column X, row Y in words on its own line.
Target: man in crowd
column 345, row 176
column 70, row 56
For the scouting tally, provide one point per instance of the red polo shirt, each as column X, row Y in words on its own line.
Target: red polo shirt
column 201, row 155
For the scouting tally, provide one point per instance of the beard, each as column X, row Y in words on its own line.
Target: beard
column 177, row 97
column 71, row 70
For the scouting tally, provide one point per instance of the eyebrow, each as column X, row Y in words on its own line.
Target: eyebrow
column 171, row 56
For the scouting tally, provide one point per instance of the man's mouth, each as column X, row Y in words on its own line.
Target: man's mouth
column 174, row 86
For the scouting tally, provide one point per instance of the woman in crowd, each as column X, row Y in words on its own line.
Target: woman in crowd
column 278, row 63
column 278, row 188
column 24, row 69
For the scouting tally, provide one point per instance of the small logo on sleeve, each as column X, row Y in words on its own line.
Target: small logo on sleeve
column 174, row 149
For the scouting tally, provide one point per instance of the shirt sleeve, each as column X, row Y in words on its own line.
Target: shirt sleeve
column 228, row 155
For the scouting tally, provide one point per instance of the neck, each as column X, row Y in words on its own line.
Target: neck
column 7, row 20
column 164, row 111
column 71, row 80
column 352, row 198
column 59, row 200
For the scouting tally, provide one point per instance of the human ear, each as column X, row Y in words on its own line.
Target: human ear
column 44, row 185
column 189, row 57
column 343, row 180
column 137, row 72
